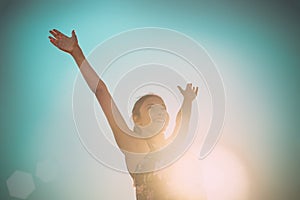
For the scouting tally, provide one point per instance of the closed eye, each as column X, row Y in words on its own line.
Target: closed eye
column 162, row 106
column 149, row 106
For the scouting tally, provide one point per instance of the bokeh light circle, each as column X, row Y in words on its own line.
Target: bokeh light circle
column 225, row 175
column 123, row 60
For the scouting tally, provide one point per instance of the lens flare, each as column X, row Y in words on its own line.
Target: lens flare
column 224, row 176
column 221, row 176
column 185, row 178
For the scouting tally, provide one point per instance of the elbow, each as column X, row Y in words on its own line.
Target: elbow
column 100, row 88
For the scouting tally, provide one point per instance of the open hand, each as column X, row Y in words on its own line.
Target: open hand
column 63, row 42
column 190, row 92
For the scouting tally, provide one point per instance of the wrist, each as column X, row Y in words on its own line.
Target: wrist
column 77, row 55
column 76, row 51
column 188, row 99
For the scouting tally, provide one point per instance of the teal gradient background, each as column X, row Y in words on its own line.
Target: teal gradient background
column 255, row 45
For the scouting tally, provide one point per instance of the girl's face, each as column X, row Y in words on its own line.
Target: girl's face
column 153, row 116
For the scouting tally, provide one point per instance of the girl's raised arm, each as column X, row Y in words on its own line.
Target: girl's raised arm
column 184, row 113
column 121, row 132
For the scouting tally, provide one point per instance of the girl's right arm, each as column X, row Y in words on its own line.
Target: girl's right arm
column 121, row 132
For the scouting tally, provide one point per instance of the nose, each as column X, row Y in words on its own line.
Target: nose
column 158, row 111
column 162, row 113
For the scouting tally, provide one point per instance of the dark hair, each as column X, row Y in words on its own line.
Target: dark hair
column 139, row 102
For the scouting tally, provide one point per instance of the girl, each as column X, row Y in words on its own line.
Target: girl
column 150, row 118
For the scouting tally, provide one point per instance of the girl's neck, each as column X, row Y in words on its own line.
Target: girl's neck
column 156, row 142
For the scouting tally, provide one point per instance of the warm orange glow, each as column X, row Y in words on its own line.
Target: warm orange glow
column 185, row 178
column 221, row 176
column 224, row 176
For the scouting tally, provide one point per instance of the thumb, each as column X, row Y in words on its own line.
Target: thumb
column 180, row 89
column 73, row 34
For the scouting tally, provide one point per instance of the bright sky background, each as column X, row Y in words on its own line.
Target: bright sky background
column 255, row 45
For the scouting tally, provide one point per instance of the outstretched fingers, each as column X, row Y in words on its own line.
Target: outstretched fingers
column 196, row 90
column 58, row 33
column 189, row 92
column 55, row 34
column 180, row 89
column 53, row 40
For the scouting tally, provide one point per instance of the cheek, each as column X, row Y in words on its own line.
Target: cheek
column 147, row 120
column 167, row 118
column 144, row 119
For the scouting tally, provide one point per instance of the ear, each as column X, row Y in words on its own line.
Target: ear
column 135, row 118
